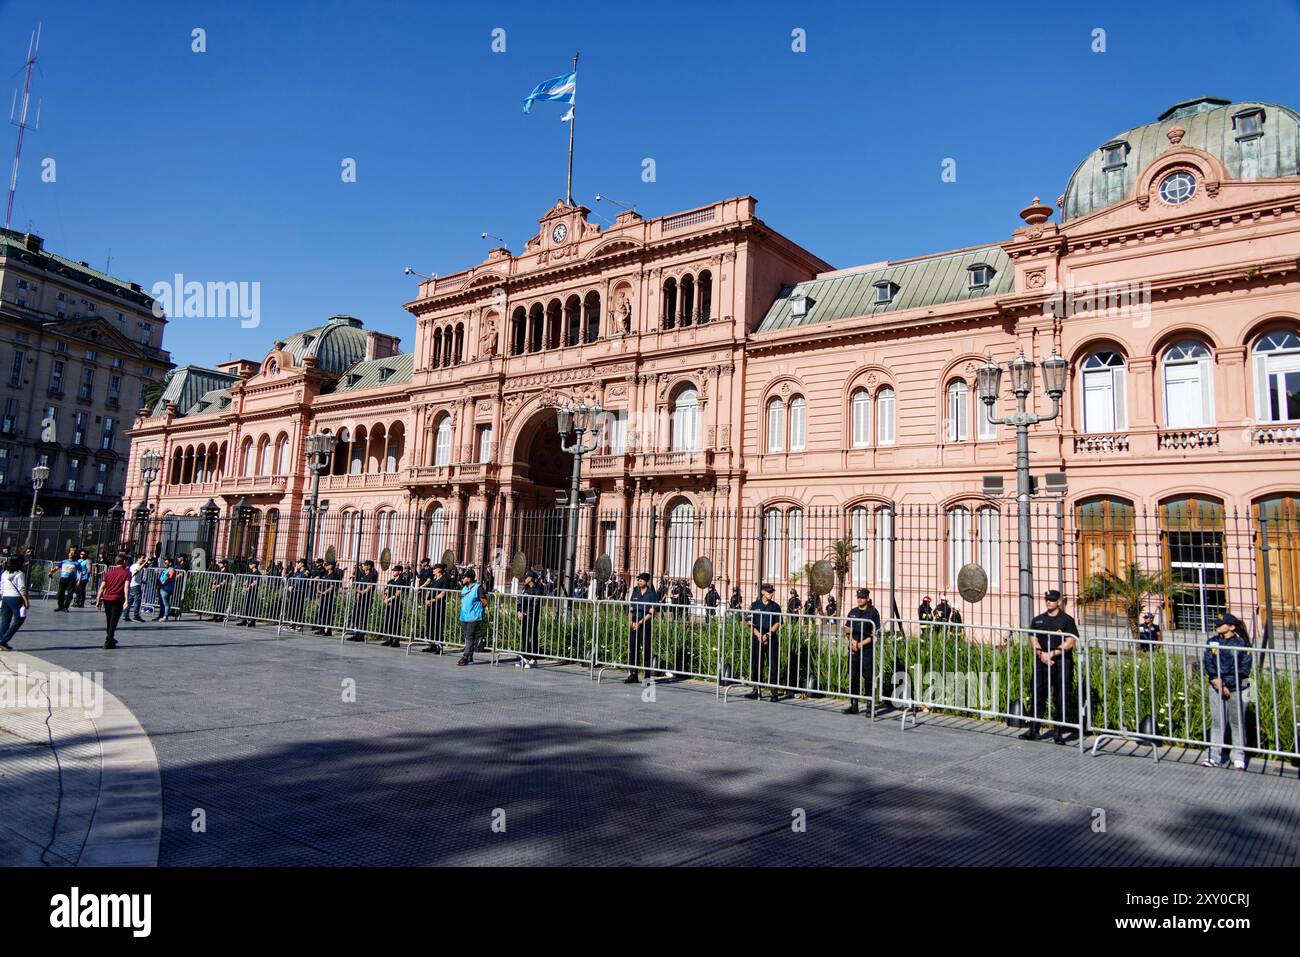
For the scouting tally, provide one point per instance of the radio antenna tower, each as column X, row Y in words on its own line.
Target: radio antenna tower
column 33, row 47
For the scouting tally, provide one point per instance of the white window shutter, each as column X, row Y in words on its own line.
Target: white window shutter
column 1262, row 409
column 1207, row 393
column 1120, row 377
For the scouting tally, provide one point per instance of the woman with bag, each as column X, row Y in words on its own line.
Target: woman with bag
column 13, row 601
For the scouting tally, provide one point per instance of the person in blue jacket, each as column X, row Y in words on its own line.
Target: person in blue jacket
column 1227, row 662
column 472, row 599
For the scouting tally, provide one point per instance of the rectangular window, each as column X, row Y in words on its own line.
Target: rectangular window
column 109, row 427
column 958, row 542
column 797, row 430
column 79, row 428
column 11, row 416
column 56, row 377
column 984, row 430
column 884, row 546
column 87, row 384
column 101, row 479
column 16, row 370
column 616, row 432
column 958, row 412
column 60, row 347
column 990, row 546
column 117, row 362
column 114, row 388
column 74, row 474
column 775, row 426
column 91, row 355
column 485, row 443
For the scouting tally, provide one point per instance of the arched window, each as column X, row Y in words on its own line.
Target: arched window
column 358, row 463
column 704, row 288
column 572, row 321
column 884, row 545
column 393, row 450
column 591, row 316
column 1277, row 376
column 885, row 416
column 958, row 411
column 958, row 541
column 687, row 310
column 859, row 544
column 264, row 456
column 681, row 539
column 536, row 327
column 990, row 545
column 1189, row 389
column 437, row 348
column 772, row 532
column 797, row 424
column 1104, row 404
column 458, row 352
column 775, row 425
column 518, row 332
column 387, row 521
column 670, row 303
column 282, row 466
column 1279, row 568
column 686, row 420
column 1106, row 541
column 794, row 541
column 437, row 533
column 246, row 467
column 442, row 441
column 200, row 464
column 861, row 416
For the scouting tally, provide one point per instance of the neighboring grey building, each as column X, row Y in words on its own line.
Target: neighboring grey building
column 80, row 348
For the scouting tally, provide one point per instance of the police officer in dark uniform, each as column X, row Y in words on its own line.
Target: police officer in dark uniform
column 832, row 606
column 435, row 608
column 529, row 615
column 764, row 644
column 364, row 581
column 736, row 600
column 642, row 604
column 792, row 604
column 328, row 592
column 220, row 590
column 1148, row 630
column 861, row 626
column 393, row 598
column 712, row 599
column 1054, row 634
column 295, row 597
column 249, row 582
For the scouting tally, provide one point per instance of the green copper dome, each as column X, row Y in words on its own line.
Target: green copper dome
column 1254, row 141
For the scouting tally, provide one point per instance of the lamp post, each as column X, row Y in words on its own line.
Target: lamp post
column 210, row 512
column 320, row 449
column 150, row 464
column 40, row 474
column 243, row 516
column 574, row 421
column 989, row 384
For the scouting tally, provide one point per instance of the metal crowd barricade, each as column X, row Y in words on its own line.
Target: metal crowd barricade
column 545, row 627
column 209, row 593
column 684, row 641
column 983, row 671
column 436, row 620
column 1157, row 693
column 149, row 589
column 256, row 598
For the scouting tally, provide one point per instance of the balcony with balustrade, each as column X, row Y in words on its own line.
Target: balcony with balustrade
column 254, row 485
column 686, row 464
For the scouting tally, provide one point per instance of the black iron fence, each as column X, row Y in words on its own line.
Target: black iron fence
column 1184, row 563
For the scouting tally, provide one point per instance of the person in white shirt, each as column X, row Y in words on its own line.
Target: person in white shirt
column 13, row 601
column 137, row 581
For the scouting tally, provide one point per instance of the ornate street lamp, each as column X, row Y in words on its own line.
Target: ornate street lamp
column 320, row 449
column 243, row 517
column 150, row 466
column 210, row 513
column 988, row 381
column 574, row 421
column 40, row 475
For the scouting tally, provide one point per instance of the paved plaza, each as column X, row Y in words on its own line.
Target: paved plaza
column 309, row 751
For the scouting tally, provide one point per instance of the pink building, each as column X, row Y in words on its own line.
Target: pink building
column 763, row 404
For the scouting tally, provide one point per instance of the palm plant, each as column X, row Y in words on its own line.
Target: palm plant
column 840, row 554
column 1131, row 589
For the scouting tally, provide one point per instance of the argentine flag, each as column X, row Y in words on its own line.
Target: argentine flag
column 561, row 90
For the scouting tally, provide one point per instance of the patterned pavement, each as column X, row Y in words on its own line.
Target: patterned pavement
column 267, row 759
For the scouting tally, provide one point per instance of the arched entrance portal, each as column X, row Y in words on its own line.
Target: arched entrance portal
column 538, row 467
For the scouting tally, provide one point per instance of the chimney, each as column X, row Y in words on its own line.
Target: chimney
column 33, row 242
column 379, row 345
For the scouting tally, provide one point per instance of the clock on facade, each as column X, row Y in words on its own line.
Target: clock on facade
column 559, row 232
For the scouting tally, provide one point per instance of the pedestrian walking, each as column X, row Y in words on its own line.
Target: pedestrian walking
column 13, row 601
column 112, row 597
column 1227, row 662
column 69, row 569
column 136, row 592
column 83, row 576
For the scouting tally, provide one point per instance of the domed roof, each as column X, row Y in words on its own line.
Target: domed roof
column 1210, row 124
column 337, row 345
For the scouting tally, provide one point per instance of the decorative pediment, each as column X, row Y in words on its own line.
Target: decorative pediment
column 94, row 331
column 613, row 247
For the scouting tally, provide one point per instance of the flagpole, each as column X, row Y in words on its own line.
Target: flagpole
column 568, row 189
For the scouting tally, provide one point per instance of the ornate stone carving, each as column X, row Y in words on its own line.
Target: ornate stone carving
column 1176, row 135
column 487, row 340
column 1036, row 279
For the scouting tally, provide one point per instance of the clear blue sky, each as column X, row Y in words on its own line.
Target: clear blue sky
column 225, row 165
